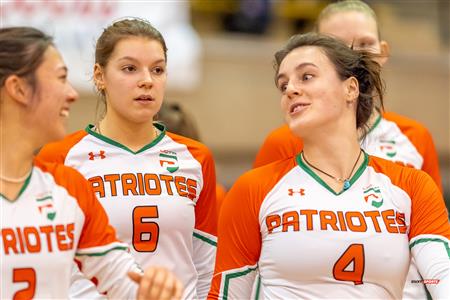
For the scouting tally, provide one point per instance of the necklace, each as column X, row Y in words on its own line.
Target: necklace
column 15, row 180
column 346, row 181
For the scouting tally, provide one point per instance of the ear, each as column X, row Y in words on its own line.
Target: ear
column 99, row 78
column 18, row 89
column 351, row 89
column 384, row 52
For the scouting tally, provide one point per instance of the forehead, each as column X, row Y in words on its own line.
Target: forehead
column 138, row 48
column 52, row 61
column 305, row 55
column 349, row 26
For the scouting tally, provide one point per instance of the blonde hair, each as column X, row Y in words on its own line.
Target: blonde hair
column 346, row 6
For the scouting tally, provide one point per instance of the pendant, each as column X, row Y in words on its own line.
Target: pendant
column 346, row 184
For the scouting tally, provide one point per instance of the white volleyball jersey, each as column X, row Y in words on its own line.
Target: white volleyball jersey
column 385, row 140
column 54, row 218
column 283, row 225
column 160, row 199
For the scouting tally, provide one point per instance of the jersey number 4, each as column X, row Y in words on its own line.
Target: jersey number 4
column 145, row 231
column 27, row 275
column 343, row 270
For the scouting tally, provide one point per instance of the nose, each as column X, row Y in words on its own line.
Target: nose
column 146, row 80
column 292, row 90
column 72, row 95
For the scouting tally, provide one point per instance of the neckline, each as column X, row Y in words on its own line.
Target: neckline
column 161, row 127
column 22, row 189
column 316, row 177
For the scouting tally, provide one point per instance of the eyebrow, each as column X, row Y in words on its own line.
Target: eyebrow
column 135, row 60
column 300, row 66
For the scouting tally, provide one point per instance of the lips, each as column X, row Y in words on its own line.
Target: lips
column 144, row 98
column 297, row 107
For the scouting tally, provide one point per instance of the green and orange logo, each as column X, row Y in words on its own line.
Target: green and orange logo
column 388, row 148
column 45, row 206
column 372, row 195
column 168, row 160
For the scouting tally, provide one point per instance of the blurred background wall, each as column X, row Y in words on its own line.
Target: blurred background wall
column 220, row 62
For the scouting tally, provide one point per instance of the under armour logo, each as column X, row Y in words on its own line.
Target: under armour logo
column 291, row 192
column 100, row 155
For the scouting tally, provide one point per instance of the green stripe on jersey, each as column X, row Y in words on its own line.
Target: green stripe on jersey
column 426, row 240
column 205, row 239
column 230, row 276
column 102, row 253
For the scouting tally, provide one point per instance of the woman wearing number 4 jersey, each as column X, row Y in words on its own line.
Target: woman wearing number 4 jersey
column 157, row 188
column 393, row 137
column 49, row 213
column 332, row 222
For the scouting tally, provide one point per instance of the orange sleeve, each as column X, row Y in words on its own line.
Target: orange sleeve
column 57, row 151
column 220, row 195
column 421, row 138
column 279, row 144
column 239, row 233
column 206, row 206
column 96, row 229
column 428, row 212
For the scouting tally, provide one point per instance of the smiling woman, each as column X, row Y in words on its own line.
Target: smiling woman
column 158, row 188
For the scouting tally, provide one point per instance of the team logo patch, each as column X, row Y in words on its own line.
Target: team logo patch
column 100, row 154
column 45, row 206
column 388, row 148
column 168, row 160
column 300, row 192
column 372, row 195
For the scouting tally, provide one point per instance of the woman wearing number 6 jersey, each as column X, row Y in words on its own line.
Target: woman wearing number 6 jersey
column 49, row 213
column 157, row 188
column 332, row 222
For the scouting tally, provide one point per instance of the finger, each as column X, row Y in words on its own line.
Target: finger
column 158, row 284
column 178, row 290
column 136, row 277
column 146, row 283
column 167, row 291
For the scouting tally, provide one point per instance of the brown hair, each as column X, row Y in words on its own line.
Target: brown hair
column 347, row 63
column 21, row 52
column 119, row 30
column 346, row 6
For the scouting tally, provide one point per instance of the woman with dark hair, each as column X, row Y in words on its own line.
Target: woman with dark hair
column 49, row 212
column 158, row 188
column 333, row 221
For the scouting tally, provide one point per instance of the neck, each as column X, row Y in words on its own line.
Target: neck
column 132, row 135
column 333, row 153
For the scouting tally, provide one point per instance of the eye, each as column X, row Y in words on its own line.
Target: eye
column 158, row 70
column 129, row 68
column 307, row 77
column 63, row 77
column 282, row 87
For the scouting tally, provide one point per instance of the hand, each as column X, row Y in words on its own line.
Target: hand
column 157, row 283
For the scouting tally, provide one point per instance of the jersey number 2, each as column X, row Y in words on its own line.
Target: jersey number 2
column 27, row 275
column 353, row 254
column 145, row 232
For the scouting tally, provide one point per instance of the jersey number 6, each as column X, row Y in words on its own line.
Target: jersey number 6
column 353, row 254
column 145, row 232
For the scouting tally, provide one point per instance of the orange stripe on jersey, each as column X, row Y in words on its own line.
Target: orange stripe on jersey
column 428, row 211
column 239, row 231
column 421, row 138
column 206, row 207
column 96, row 230
column 279, row 144
column 57, row 151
